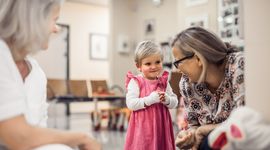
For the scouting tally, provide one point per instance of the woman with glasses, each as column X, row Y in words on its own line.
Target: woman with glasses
column 212, row 83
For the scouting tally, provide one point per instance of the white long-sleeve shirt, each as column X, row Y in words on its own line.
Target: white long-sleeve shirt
column 135, row 103
column 19, row 97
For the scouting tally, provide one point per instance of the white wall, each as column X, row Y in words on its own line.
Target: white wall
column 257, row 44
column 83, row 20
column 122, row 21
column 209, row 8
column 165, row 17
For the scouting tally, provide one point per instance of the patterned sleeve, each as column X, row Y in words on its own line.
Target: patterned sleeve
column 186, row 92
column 238, row 80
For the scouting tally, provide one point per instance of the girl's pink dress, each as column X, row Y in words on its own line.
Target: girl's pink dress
column 150, row 128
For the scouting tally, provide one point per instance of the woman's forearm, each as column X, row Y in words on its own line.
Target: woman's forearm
column 17, row 134
column 205, row 129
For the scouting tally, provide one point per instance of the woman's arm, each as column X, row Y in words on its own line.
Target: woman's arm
column 18, row 135
column 186, row 138
column 238, row 80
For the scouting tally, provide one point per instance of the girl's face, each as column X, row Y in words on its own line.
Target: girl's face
column 151, row 66
column 52, row 24
column 192, row 66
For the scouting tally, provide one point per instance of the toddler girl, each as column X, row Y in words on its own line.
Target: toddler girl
column 149, row 96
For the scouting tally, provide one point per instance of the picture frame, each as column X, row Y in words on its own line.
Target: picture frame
column 230, row 24
column 98, row 46
column 149, row 26
column 200, row 20
column 190, row 3
column 167, row 54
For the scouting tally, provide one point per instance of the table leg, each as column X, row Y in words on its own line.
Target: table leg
column 68, row 114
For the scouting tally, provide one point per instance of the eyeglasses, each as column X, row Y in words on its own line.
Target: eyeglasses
column 177, row 62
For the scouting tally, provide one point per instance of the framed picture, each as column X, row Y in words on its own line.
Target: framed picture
column 167, row 53
column 201, row 20
column 190, row 3
column 149, row 27
column 230, row 24
column 98, row 46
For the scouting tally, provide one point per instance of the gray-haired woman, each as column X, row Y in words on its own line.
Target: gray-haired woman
column 212, row 84
column 25, row 28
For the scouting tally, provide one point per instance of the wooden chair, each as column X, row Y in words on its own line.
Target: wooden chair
column 100, row 88
column 112, row 115
column 78, row 88
column 56, row 87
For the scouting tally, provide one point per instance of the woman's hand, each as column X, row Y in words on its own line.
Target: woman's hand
column 201, row 132
column 185, row 138
column 89, row 144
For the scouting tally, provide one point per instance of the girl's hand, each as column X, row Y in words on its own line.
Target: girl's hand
column 152, row 99
column 185, row 139
column 161, row 96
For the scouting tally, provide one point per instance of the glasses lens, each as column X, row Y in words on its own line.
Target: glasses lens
column 176, row 63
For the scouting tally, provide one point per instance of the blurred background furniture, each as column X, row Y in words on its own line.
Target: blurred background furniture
column 56, row 87
column 113, row 116
column 99, row 102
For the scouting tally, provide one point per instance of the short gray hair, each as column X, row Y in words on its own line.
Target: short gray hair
column 25, row 23
column 145, row 49
column 204, row 44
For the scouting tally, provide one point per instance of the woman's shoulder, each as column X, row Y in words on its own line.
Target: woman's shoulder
column 235, row 67
column 184, row 83
column 233, row 58
column 33, row 62
column 184, row 80
column 235, row 61
column 4, row 50
column 35, row 68
column 3, row 45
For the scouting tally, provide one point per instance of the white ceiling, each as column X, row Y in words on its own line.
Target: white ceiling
column 91, row 2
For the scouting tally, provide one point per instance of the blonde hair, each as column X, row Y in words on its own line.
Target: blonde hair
column 207, row 46
column 146, row 49
column 25, row 23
